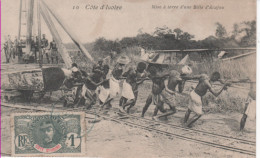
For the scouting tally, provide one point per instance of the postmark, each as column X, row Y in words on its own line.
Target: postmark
column 48, row 134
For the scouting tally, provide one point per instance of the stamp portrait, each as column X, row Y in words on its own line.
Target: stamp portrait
column 48, row 134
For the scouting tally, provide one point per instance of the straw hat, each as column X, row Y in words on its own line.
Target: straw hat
column 186, row 70
column 123, row 60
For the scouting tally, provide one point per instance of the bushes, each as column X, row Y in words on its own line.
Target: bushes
column 226, row 102
column 233, row 69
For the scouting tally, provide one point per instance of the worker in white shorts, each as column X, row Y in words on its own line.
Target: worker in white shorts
column 250, row 106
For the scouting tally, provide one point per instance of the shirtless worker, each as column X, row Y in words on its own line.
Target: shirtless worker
column 54, row 51
column 114, row 80
column 98, row 66
column 185, row 71
column 44, row 45
column 156, row 95
column 195, row 102
column 104, row 88
column 250, row 106
column 91, row 83
column 73, row 86
column 35, row 48
column 174, row 80
column 178, row 79
column 130, row 86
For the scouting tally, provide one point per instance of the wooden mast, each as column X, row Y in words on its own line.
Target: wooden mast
column 20, row 20
column 39, row 32
column 29, row 25
column 54, row 32
column 70, row 33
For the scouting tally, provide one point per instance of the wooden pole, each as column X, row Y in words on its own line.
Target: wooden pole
column 39, row 32
column 239, row 56
column 74, row 38
column 166, row 114
column 20, row 20
column 28, row 36
column 55, row 35
column 29, row 25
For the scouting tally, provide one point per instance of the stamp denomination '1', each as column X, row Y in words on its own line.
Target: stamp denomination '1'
column 48, row 134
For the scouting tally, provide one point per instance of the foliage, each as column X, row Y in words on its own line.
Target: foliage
column 101, row 44
column 220, row 31
column 165, row 38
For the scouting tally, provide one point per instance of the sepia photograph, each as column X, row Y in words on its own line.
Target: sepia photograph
column 128, row 78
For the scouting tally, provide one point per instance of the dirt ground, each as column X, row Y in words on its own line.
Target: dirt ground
column 110, row 139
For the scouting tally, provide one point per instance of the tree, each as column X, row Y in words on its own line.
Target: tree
column 162, row 31
column 146, row 41
column 178, row 33
column 186, row 36
column 100, row 44
column 128, row 42
column 249, row 28
column 235, row 31
column 220, row 31
column 211, row 42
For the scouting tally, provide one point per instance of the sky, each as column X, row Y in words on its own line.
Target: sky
column 88, row 25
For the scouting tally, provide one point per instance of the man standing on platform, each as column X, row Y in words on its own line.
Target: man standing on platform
column 15, row 48
column 44, row 45
column 54, row 51
column 35, row 46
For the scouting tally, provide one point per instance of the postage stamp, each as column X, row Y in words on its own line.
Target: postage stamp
column 48, row 134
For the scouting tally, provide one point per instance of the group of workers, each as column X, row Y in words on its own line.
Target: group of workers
column 103, row 85
column 14, row 49
column 49, row 50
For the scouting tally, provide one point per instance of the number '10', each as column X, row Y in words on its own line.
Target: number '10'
column 75, row 7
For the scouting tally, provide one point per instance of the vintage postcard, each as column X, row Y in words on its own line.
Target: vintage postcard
column 154, row 78
column 48, row 134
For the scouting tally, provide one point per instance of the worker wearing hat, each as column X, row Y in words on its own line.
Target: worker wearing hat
column 44, row 45
column 98, row 66
column 134, row 77
column 116, row 74
column 54, row 51
column 158, row 78
column 115, row 78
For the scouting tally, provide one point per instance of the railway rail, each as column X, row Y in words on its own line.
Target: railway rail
column 170, row 130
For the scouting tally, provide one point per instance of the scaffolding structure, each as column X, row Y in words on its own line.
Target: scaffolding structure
column 30, row 15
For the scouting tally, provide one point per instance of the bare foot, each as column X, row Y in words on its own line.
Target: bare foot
column 128, row 110
column 122, row 110
column 155, row 118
